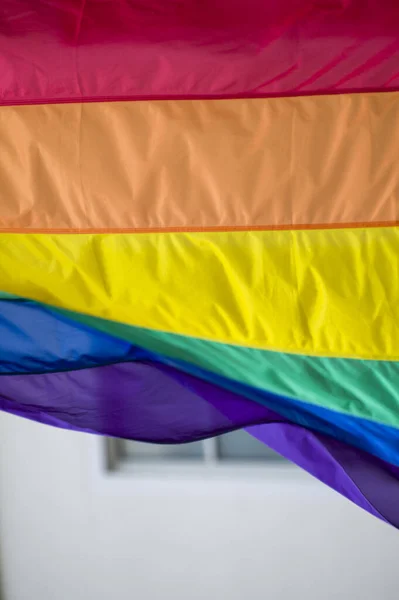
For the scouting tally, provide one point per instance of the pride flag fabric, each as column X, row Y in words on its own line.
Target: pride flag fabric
column 199, row 208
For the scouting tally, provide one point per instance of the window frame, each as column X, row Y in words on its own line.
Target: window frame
column 211, row 458
column 111, row 477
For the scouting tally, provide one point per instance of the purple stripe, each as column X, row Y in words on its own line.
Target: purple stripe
column 142, row 401
column 364, row 479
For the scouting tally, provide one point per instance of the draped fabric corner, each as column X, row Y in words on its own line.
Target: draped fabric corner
column 199, row 212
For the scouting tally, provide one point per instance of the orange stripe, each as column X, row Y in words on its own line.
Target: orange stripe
column 205, row 229
column 305, row 162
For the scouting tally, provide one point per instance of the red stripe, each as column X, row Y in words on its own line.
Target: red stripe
column 92, row 50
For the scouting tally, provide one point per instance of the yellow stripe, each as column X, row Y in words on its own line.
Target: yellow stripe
column 331, row 292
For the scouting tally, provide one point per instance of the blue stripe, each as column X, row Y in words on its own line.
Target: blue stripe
column 33, row 339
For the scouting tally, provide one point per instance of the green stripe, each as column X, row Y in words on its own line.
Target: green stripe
column 7, row 296
column 363, row 388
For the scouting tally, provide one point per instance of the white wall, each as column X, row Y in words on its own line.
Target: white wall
column 63, row 538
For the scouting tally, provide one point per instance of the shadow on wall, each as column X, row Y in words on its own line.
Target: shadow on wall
column 2, row 597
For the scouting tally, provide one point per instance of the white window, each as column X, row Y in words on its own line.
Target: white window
column 228, row 453
column 235, row 446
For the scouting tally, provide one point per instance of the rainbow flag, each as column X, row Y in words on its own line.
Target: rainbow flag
column 199, row 207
